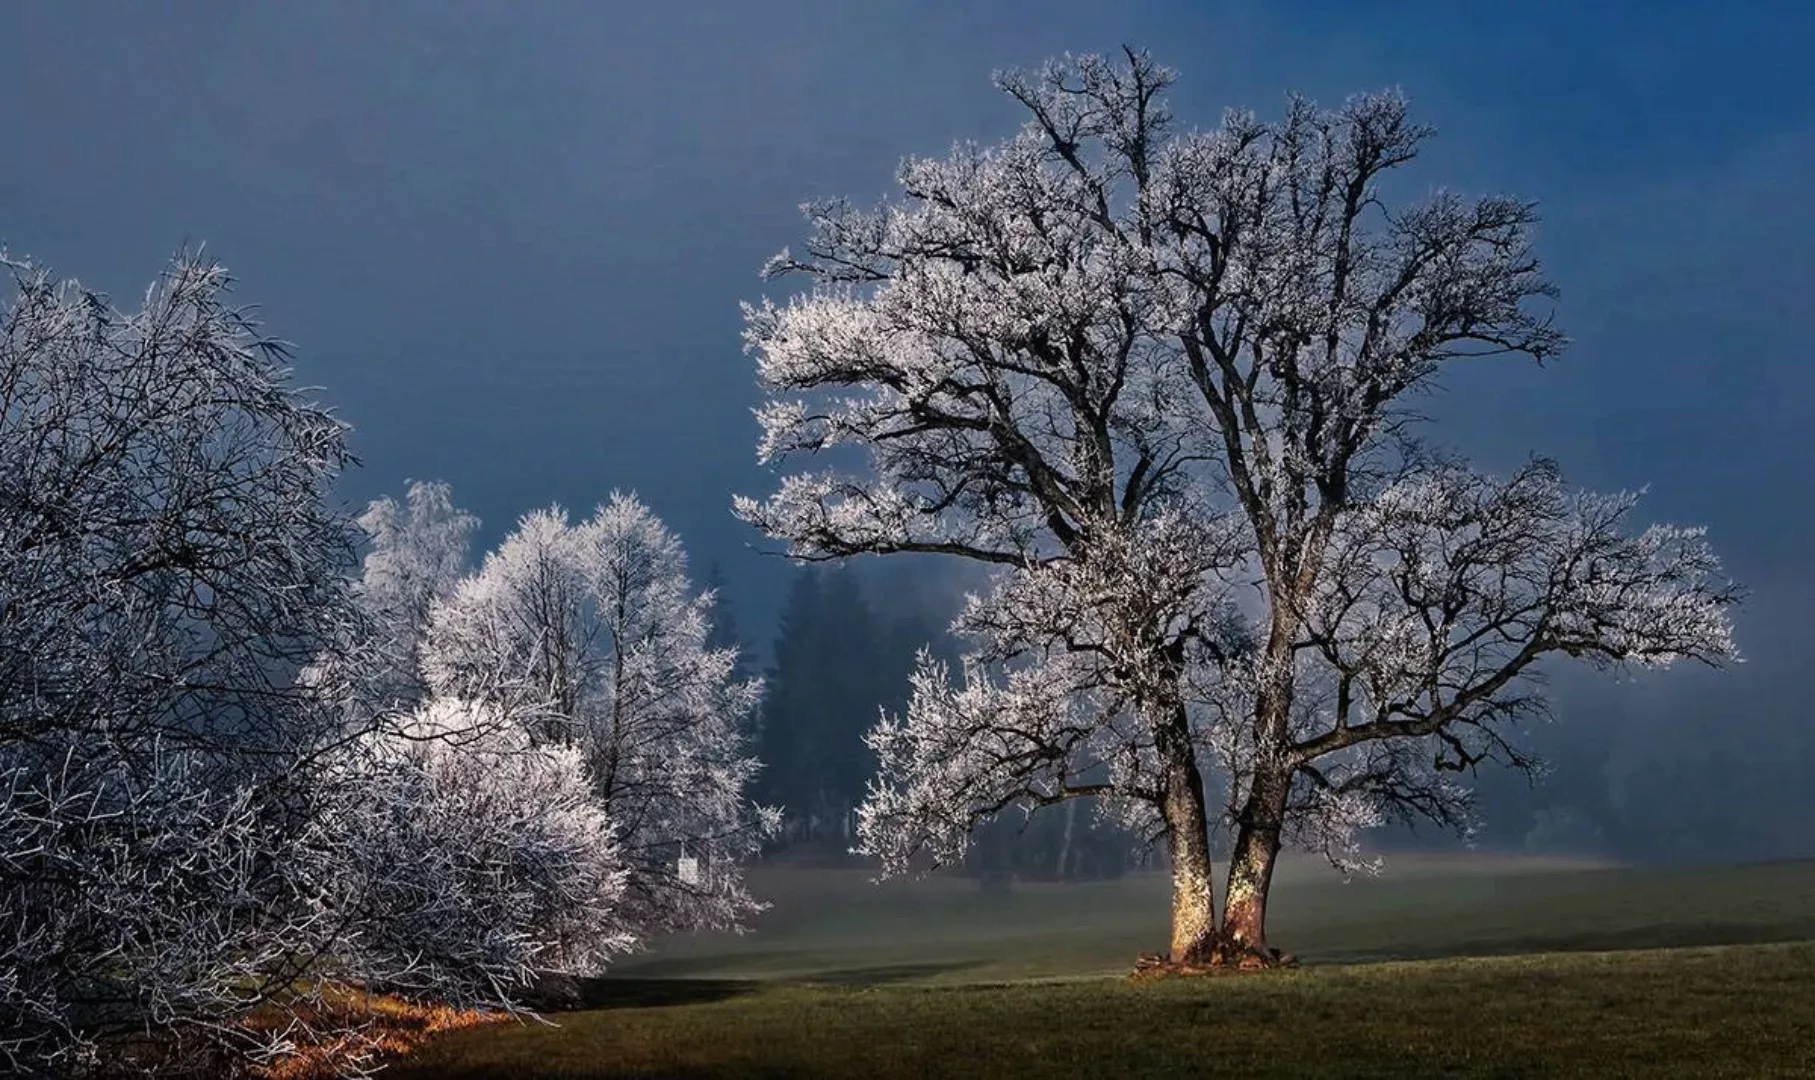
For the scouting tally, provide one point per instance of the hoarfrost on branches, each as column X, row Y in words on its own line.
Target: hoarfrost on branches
column 466, row 861
column 233, row 773
column 213, row 798
column 1159, row 378
column 168, row 564
column 589, row 636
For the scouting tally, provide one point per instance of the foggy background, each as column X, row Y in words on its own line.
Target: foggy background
column 509, row 241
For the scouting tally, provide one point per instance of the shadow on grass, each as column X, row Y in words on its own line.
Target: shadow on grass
column 644, row 992
column 619, row 992
column 684, row 967
column 784, row 966
column 887, row 973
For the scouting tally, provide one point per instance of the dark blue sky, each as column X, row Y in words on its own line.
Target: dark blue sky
column 510, row 239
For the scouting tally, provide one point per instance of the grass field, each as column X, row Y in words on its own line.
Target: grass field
column 1446, row 966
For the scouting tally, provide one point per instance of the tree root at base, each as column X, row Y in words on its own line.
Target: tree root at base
column 1217, row 962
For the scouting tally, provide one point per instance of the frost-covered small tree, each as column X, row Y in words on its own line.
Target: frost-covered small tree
column 1159, row 379
column 464, row 861
column 589, row 635
column 459, row 859
column 169, row 560
column 417, row 553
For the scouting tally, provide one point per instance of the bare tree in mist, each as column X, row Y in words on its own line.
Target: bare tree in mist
column 1161, row 380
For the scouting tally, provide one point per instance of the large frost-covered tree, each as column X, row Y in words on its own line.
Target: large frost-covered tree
column 1160, row 379
column 590, row 635
column 169, row 560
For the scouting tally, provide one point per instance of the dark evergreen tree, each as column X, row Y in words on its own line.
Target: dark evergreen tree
column 724, row 633
column 785, row 739
column 854, row 668
column 839, row 659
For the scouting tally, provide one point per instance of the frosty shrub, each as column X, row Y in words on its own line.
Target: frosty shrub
column 466, row 861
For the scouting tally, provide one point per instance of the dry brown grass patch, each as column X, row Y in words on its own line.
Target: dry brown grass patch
column 343, row 1025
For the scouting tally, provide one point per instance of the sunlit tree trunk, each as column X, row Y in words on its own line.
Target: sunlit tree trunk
column 1188, row 844
column 1257, row 842
column 1193, row 889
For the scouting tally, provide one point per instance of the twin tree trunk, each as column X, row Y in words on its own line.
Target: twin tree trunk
column 1197, row 941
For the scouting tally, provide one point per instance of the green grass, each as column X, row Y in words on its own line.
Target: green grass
column 1510, row 977
column 837, row 926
